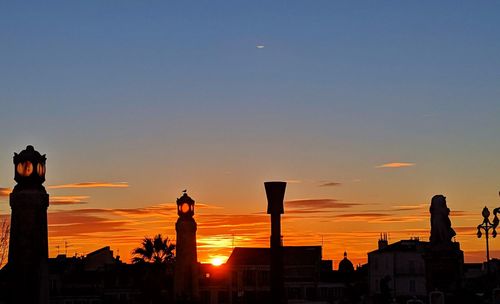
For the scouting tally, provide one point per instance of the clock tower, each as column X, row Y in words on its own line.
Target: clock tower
column 28, row 245
column 186, row 260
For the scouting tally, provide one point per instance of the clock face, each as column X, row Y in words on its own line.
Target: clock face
column 25, row 169
column 40, row 169
column 185, row 208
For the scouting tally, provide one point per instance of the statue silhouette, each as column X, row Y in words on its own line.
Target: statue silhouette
column 441, row 231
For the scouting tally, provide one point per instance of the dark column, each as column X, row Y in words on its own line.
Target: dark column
column 275, row 192
column 186, row 289
column 186, row 263
column 28, row 244
column 28, row 247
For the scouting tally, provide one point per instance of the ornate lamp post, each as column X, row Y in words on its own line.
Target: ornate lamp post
column 486, row 225
column 29, row 249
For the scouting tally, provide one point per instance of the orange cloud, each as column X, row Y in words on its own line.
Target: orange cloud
column 123, row 228
column 461, row 213
column 460, row 230
column 87, row 229
column 361, row 216
column 330, row 184
column 242, row 224
column 68, row 200
column 409, row 207
column 5, row 192
column 394, row 215
column 321, row 203
column 293, row 181
column 479, row 255
column 396, row 165
column 91, row 185
column 401, row 219
column 311, row 206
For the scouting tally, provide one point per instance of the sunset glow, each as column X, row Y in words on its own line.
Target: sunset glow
column 217, row 261
column 366, row 110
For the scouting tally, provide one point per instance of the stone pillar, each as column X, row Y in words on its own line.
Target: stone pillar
column 443, row 258
column 444, row 268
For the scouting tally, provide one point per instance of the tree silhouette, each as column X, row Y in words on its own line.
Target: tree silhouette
column 4, row 241
column 154, row 250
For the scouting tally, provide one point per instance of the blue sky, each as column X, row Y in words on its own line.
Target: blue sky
column 165, row 95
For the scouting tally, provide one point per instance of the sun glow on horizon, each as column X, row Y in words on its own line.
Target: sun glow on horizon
column 218, row 260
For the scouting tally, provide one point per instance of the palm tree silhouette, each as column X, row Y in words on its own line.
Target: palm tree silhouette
column 154, row 250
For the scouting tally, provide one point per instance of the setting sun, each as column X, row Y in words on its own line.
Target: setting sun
column 217, row 261
column 267, row 152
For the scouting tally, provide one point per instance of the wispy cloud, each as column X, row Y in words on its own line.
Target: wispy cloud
column 378, row 217
column 362, row 216
column 395, row 215
column 5, row 192
column 462, row 213
column 396, row 165
column 460, row 230
column 207, row 206
column 227, row 221
column 400, row 219
column 79, row 225
column 87, row 229
column 123, row 228
column 409, row 207
column 477, row 256
column 68, row 200
column 92, row 185
column 330, row 184
column 318, row 204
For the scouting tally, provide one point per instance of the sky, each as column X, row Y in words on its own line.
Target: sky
column 367, row 109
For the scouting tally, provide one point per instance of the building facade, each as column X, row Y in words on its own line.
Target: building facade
column 398, row 269
column 245, row 278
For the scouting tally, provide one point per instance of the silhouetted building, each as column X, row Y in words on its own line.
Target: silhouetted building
column 99, row 259
column 247, row 276
column 215, row 284
column 186, row 262
column 100, row 278
column 398, row 269
column 346, row 266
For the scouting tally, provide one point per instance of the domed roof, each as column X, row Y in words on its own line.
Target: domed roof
column 345, row 265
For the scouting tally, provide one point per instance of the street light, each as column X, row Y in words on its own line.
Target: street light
column 486, row 225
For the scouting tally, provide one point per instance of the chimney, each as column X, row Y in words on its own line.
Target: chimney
column 383, row 242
